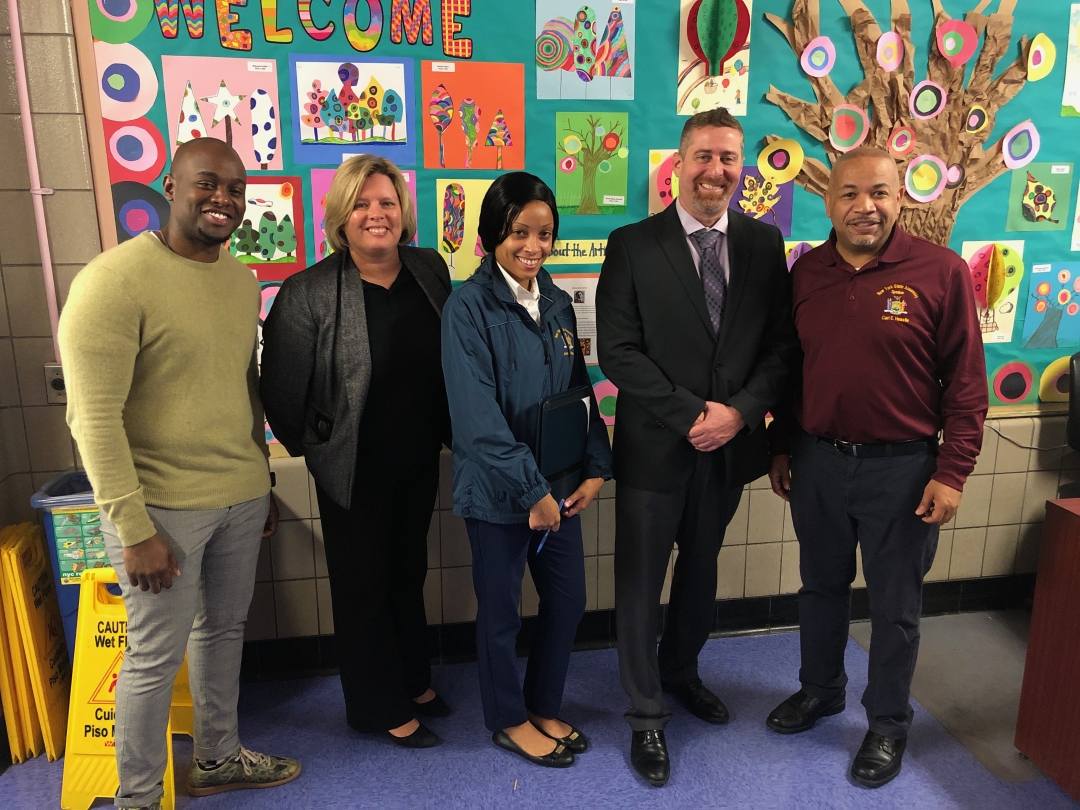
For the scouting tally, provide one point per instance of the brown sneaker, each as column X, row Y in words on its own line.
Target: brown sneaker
column 248, row 769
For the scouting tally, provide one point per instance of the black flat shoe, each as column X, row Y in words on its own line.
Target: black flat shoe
column 423, row 737
column 649, row 756
column 561, row 757
column 699, row 701
column 800, row 711
column 575, row 741
column 878, row 760
column 436, row 707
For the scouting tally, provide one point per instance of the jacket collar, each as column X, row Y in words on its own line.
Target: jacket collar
column 488, row 276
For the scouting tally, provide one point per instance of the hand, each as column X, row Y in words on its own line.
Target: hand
column 150, row 565
column 719, row 426
column 582, row 496
column 271, row 518
column 780, row 476
column 939, row 503
column 544, row 515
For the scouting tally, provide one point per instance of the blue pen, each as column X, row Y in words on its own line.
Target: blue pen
column 544, row 538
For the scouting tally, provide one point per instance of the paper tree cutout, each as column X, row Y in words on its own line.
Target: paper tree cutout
column 498, row 136
column 264, row 130
column 225, row 109
column 441, row 112
column 716, row 30
column 470, row 118
column 453, row 219
column 572, row 46
column 190, row 125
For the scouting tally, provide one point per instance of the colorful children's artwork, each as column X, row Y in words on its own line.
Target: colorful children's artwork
column 349, row 105
column 996, row 271
column 271, row 238
column 457, row 209
column 795, row 250
column 1053, row 306
column 663, row 184
column 714, row 56
column 1039, row 197
column 475, row 115
column 591, row 150
column 1070, row 97
column 233, row 100
column 320, row 187
column 764, row 199
column 580, row 56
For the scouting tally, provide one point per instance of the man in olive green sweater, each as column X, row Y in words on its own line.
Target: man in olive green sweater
column 158, row 339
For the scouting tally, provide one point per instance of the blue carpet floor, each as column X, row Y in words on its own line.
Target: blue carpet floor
column 741, row 765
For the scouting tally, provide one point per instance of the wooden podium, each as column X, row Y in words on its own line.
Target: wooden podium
column 1048, row 726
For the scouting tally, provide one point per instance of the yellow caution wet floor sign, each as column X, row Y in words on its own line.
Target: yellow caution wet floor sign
column 8, row 696
column 33, row 742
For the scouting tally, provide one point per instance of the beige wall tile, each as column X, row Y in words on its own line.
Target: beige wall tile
column 64, row 275
column 319, row 545
column 434, row 542
column 766, row 517
column 530, row 599
column 731, row 572
column 446, row 479
column 264, row 568
column 790, row 579
column 1012, row 453
column 52, row 74
column 292, row 550
column 999, row 558
column 48, row 439
column 590, row 583
column 5, row 330
column 45, row 17
column 1007, row 498
column 433, row 597
column 975, row 504
column 20, row 242
column 291, row 488
column 605, row 582
column 29, row 310
column 1070, row 459
column 5, row 28
column 940, row 569
column 1049, row 432
column 9, row 94
column 313, row 497
column 761, row 483
column 860, row 578
column 606, row 527
column 1041, row 486
column 63, row 155
column 14, row 454
column 735, row 535
column 763, row 569
column 261, row 621
column 665, row 592
column 789, row 525
column 15, row 493
column 73, row 214
column 9, row 381
column 458, row 597
column 608, row 489
column 454, row 541
column 590, row 528
column 984, row 464
column 13, row 171
column 1028, row 548
column 326, row 607
column 967, row 553
column 297, row 608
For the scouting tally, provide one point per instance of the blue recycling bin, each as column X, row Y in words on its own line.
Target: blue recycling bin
column 73, row 527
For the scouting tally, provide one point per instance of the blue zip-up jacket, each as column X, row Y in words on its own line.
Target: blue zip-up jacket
column 498, row 365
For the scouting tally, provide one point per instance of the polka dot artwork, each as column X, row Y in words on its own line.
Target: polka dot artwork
column 119, row 21
column 1011, row 383
column 890, row 51
column 666, row 183
column 818, row 57
column 1020, row 145
column 1056, row 380
column 901, row 141
column 1041, row 57
column 137, row 208
column 136, row 150
column 955, row 176
column 606, row 394
column 927, row 100
column 956, row 41
column 926, row 178
column 849, row 127
column 976, row 119
column 781, row 161
column 127, row 81
column 794, row 253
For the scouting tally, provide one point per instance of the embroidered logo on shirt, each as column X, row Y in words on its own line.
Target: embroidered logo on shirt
column 896, row 305
column 567, row 338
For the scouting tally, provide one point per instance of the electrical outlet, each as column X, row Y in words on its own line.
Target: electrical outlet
column 55, row 390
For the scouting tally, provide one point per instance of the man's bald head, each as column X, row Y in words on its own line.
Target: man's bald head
column 862, row 153
column 202, row 150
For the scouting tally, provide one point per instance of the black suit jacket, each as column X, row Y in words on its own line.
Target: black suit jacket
column 655, row 343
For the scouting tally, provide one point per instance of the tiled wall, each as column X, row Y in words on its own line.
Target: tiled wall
column 996, row 532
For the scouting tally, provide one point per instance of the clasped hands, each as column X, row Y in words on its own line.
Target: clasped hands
column 715, row 427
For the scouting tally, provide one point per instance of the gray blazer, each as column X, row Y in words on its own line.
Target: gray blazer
column 316, row 362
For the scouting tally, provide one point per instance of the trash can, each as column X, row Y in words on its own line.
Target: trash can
column 73, row 527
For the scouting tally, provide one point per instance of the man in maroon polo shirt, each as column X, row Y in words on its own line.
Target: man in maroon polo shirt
column 892, row 356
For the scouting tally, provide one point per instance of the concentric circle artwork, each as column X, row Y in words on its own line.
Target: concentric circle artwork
column 269, row 293
column 1041, row 57
column 926, row 178
column 119, row 21
column 136, row 150
column 1055, row 381
column 667, row 182
column 927, row 100
column 127, row 81
column 957, row 41
column 781, row 161
column 976, row 119
column 572, row 144
column 955, row 176
column 890, row 51
column 1011, row 383
column 568, row 164
column 849, row 127
column 137, row 208
column 1020, row 145
column 901, row 141
column 818, row 57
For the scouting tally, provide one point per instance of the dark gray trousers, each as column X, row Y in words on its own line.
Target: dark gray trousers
column 837, row 503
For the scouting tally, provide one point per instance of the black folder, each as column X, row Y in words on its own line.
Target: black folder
column 561, row 438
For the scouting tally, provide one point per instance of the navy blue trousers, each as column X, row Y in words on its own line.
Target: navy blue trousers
column 499, row 553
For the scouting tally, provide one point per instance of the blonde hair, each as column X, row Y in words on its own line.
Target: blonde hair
column 345, row 188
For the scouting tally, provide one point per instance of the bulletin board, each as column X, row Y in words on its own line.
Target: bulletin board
column 591, row 96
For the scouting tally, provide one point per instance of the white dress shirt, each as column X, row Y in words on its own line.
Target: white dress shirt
column 527, row 298
column 691, row 225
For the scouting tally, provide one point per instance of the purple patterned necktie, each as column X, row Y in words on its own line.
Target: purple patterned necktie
column 712, row 273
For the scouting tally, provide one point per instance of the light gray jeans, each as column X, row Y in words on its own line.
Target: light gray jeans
column 204, row 611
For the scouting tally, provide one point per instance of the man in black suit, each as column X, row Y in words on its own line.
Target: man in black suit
column 694, row 327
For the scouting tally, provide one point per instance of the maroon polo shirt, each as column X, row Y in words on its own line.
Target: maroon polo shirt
column 891, row 352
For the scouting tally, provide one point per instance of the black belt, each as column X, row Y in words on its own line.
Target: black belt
column 880, row 450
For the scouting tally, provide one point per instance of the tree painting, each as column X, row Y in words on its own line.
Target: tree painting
column 441, row 112
column 225, row 109
column 760, row 197
column 352, row 110
column 313, row 108
column 453, row 219
column 285, row 238
column 498, row 136
column 1052, row 317
column 245, row 240
column 469, row 115
column 391, row 111
column 945, row 117
column 267, row 236
column 592, row 147
column 572, row 48
column 264, row 131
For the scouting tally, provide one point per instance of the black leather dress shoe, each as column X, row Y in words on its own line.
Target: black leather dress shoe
column 800, row 711
column 561, row 757
column 878, row 760
column 575, row 741
column 649, row 756
column 423, row 737
column 436, row 707
column 699, row 701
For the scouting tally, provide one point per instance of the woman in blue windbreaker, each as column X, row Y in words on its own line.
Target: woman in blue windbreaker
column 509, row 339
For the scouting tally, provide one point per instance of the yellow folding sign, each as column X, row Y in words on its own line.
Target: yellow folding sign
column 33, row 743
column 8, row 696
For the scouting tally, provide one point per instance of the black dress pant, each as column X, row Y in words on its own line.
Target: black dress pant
column 647, row 525
column 839, row 502
column 376, row 557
